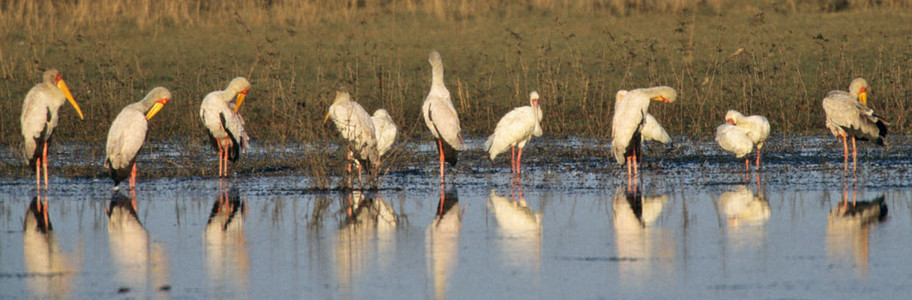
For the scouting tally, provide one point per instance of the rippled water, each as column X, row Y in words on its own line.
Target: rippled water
column 691, row 228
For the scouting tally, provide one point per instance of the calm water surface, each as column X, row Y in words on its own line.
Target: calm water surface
column 695, row 227
column 270, row 237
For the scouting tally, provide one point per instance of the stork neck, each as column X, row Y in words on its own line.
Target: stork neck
column 437, row 77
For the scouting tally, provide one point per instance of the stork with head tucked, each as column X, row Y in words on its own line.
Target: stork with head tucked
column 384, row 130
column 223, row 122
column 128, row 133
column 39, row 119
column 755, row 128
column 356, row 127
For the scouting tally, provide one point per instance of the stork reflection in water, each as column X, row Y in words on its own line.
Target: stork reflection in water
column 141, row 263
column 442, row 241
column 51, row 270
column 849, row 226
column 227, row 256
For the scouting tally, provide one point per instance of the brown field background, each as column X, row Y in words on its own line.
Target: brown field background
column 774, row 58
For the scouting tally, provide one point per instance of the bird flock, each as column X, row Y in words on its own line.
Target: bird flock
column 370, row 137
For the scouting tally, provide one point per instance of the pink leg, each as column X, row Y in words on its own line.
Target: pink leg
column 845, row 154
column 38, row 175
column 758, row 157
column 513, row 159
column 442, row 197
column 519, row 162
column 218, row 144
column 440, row 147
column 133, row 177
column 44, row 163
column 854, row 155
column 629, row 171
column 635, row 174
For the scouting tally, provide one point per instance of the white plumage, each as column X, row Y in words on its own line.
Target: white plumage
column 224, row 124
column 128, row 132
column 384, row 130
column 515, row 129
column 742, row 205
column 756, row 128
column 356, row 127
column 846, row 116
column 39, row 119
column 629, row 120
column 734, row 139
column 440, row 115
column 653, row 131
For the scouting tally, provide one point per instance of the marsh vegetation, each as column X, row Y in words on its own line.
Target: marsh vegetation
column 774, row 58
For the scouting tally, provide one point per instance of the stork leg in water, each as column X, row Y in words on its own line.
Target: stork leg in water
column 513, row 159
column 440, row 147
column 442, row 197
column 44, row 164
column 854, row 155
column 845, row 154
column 758, row 157
column 133, row 178
column 519, row 163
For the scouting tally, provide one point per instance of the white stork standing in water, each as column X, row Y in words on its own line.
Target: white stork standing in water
column 384, row 130
column 734, row 139
column 224, row 123
column 441, row 117
column 755, row 128
column 630, row 119
column 515, row 129
column 39, row 118
column 356, row 127
column 845, row 115
column 128, row 132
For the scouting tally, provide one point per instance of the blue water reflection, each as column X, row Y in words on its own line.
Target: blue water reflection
column 248, row 239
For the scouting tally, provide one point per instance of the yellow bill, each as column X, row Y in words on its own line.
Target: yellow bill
column 66, row 91
column 240, row 99
column 863, row 97
column 327, row 117
column 156, row 107
column 660, row 98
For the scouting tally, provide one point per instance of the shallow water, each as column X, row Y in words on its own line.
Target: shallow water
column 692, row 227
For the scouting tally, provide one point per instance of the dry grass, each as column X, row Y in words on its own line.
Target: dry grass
column 576, row 54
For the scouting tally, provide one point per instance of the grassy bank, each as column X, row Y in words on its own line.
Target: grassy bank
column 777, row 60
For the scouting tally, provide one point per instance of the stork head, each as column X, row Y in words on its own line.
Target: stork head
column 733, row 116
column 241, row 86
column 159, row 96
column 53, row 77
column 663, row 93
column 533, row 98
column 859, row 88
column 341, row 96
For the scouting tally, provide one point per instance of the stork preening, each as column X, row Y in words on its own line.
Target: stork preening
column 630, row 120
column 740, row 134
column 440, row 116
column 514, row 130
column 223, row 122
column 356, row 127
column 128, row 133
column 847, row 114
column 39, row 119
column 384, row 130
